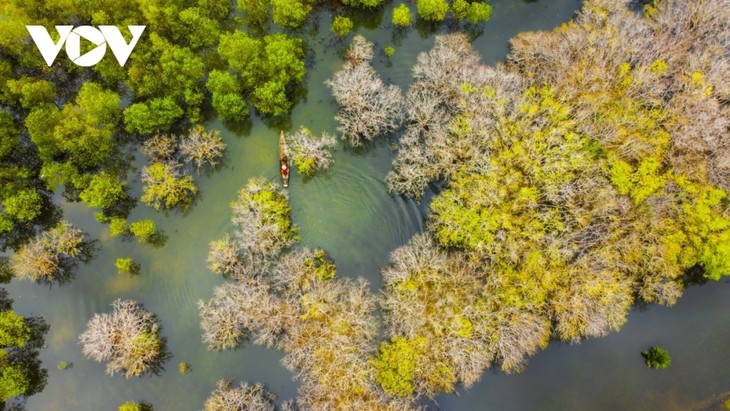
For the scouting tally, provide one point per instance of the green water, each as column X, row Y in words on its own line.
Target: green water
column 350, row 213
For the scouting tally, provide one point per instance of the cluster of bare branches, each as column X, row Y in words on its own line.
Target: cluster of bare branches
column 291, row 301
column 326, row 327
column 202, row 147
column 679, row 64
column 360, row 51
column 451, row 305
column 236, row 310
column 311, row 154
column 51, row 256
column 168, row 183
column 568, row 192
column 564, row 173
column 161, row 148
column 261, row 217
column 127, row 338
column 368, row 108
column 198, row 146
column 244, row 397
column 435, row 145
column 224, row 257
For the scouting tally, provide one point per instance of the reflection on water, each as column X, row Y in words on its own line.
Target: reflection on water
column 349, row 213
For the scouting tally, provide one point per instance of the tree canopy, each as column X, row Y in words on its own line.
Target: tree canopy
column 128, row 338
column 565, row 194
column 21, row 374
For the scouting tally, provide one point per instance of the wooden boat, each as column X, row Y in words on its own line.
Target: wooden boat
column 284, row 161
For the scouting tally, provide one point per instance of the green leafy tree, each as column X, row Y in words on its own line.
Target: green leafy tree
column 21, row 374
column 40, row 122
column 13, row 329
column 165, row 70
column 244, row 55
column 156, row 115
column 6, row 224
column 284, row 58
column 256, row 12
column 402, row 16
column 341, row 26
column 144, row 230
column 57, row 173
column 164, row 188
column 227, row 100
column 290, row 13
column 126, row 266
column 85, row 129
column 104, row 190
column 460, row 9
column 25, row 205
column 479, row 11
column 657, row 357
column 118, row 226
column 206, row 30
column 432, row 10
column 31, row 92
column 131, row 406
column 362, row 3
column 13, row 379
column 323, row 265
column 9, row 134
column 267, row 68
column 271, row 98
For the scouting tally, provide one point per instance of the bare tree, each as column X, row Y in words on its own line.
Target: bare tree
column 453, row 108
column 311, row 154
column 161, row 148
column 261, row 217
column 127, row 338
column 224, row 257
column 50, row 256
column 237, row 310
column 360, row 50
column 677, row 61
column 326, row 327
column 368, row 108
column 202, row 147
column 245, row 397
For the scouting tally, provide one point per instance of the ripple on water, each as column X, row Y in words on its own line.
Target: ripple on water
column 351, row 214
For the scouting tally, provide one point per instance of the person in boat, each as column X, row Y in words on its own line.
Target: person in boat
column 284, row 169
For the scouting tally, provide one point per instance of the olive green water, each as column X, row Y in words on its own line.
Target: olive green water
column 350, row 213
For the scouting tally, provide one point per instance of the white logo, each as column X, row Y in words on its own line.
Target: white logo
column 72, row 37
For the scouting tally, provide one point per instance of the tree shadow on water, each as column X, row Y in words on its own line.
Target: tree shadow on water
column 25, row 358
